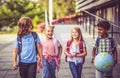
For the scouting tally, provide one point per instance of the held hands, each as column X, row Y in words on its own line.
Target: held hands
column 40, row 63
column 71, row 55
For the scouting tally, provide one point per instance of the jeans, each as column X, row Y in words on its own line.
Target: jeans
column 76, row 70
column 27, row 70
column 49, row 69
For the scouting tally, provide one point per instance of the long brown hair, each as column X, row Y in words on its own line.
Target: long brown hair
column 80, row 34
column 24, row 24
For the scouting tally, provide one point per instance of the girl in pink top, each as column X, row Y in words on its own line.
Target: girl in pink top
column 52, row 51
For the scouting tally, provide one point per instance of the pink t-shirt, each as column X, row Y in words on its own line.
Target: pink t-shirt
column 49, row 47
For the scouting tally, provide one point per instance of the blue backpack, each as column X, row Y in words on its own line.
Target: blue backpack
column 111, row 40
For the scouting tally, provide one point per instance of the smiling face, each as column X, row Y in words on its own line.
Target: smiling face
column 102, row 32
column 49, row 32
column 75, row 34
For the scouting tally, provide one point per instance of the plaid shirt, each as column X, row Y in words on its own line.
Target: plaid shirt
column 104, row 45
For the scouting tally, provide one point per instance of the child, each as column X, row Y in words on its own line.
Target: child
column 40, row 28
column 52, row 51
column 108, row 45
column 75, row 52
column 27, row 51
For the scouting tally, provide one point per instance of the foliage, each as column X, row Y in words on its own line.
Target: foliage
column 63, row 7
column 12, row 10
column 60, row 7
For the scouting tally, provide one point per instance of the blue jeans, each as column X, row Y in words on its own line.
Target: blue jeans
column 76, row 70
column 27, row 70
column 49, row 69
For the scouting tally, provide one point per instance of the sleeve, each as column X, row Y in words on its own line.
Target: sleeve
column 16, row 43
column 84, row 45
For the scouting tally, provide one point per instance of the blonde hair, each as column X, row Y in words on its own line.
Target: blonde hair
column 24, row 24
column 80, row 37
column 52, row 27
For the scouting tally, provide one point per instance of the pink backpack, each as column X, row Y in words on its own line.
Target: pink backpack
column 68, row 49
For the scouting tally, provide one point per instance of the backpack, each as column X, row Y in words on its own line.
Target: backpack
column 19, row 39
column 80, row 47
column 111, row 40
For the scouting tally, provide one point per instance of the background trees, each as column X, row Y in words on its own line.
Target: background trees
column 12, row 10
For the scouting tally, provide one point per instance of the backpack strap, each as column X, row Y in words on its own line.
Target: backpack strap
column 55, row 45
column 97, row 44
column 19, row 39
column 112, row 44
column 34, row 34
column 97, row 41
column 81, row 47
column 68, row 45
column 67, row 48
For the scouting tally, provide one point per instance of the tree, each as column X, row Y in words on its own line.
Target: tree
column 63, row 8
column 12, row 10
column 60, row 7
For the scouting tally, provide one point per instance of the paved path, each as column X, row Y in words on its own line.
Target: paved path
column 62, row 32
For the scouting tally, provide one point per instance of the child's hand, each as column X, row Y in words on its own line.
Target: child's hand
column 92, row 61
column 59, row 60
column 15, row 66
column 73, row 54
column 41, row 64
column 70, row 55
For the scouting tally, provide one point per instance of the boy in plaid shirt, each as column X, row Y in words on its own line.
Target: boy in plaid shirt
column 104, row 43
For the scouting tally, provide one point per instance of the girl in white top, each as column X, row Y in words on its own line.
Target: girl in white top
column 75, row 53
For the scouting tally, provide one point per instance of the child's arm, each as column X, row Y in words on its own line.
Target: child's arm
column 39, row 55
column 93, row 54
column 15, row 52
column 115, row 55
column 82, row 54
column 67, row 53
column 60, row 53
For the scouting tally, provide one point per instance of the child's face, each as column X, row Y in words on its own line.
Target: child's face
column 74, row 34
column 49, row 32
column 41, row 28
column 101, row 31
